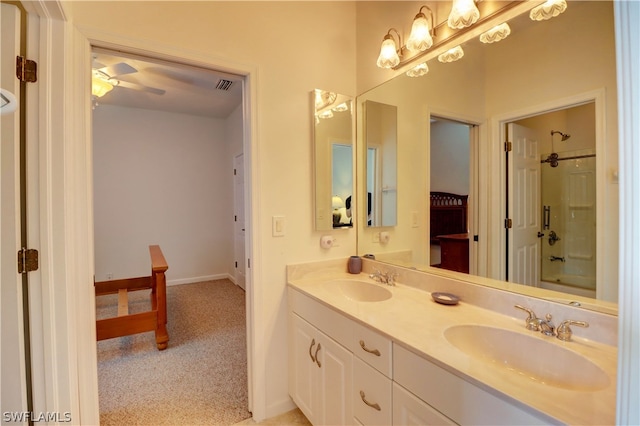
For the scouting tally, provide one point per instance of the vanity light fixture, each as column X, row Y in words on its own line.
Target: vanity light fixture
column 421, row 38
column 464, row 13
column 419, row 70
column 497, row 33
column 390, row 54
column 451, row 55
column 547, row 10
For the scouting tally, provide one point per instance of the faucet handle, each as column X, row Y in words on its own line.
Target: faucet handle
column 564, row 332
column 532, row 320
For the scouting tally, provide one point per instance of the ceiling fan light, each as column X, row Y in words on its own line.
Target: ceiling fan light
column 388, row 53
column 100, row 87
column 464, row 13
column 420, row 38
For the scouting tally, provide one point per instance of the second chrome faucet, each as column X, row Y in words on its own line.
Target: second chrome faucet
column 388, row 277
column 546, row 327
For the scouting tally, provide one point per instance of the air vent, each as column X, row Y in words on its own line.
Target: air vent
column 224, row 84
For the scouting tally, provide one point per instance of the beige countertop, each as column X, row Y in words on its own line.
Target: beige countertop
column 412, row 319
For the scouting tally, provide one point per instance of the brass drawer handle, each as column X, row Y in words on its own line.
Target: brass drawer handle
column 371, row 351
column 376, row 406
column 313, row 342
column 318, row 350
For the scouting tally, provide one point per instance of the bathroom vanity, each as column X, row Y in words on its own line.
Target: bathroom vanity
column 362, row 352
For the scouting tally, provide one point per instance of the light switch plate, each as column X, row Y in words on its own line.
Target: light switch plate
column 277, row 226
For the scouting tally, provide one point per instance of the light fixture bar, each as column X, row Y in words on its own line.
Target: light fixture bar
column 488, row 11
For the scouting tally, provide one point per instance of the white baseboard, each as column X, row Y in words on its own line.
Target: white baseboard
column 200, row 279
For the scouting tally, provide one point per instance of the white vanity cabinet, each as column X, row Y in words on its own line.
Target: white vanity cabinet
column 342, row 372
column 454, row 397
column 320, row 375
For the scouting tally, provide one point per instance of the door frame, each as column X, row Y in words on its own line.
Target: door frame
column 498, row 134
column 91, row 38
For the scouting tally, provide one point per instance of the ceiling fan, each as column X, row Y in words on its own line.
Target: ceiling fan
column 105, row 78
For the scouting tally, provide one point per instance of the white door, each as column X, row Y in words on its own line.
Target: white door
column 524, row 195
column 13, row 389
column 239, row 224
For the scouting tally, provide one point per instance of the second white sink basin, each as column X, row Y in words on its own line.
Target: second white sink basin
column 358, row 290
column 541, row 361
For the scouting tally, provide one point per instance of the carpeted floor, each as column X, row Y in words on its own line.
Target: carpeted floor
column 201, row 378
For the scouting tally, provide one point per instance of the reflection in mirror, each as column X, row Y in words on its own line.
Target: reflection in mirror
column 542, row 67
column 333, row 159
column 380, row 134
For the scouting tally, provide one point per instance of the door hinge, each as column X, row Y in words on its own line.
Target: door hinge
column 508, row 146
column 27, row 260
column 508, row 223
column 26, row 70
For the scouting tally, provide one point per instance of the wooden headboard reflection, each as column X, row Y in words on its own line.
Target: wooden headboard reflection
column 448, row 214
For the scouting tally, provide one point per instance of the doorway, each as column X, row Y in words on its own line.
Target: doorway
column 452, row 186
column 163, row 171
column 551, row 190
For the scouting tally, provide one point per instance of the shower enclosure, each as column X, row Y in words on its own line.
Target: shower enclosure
column 568, row 191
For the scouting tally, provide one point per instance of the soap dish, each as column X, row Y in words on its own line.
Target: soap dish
column 445, row 298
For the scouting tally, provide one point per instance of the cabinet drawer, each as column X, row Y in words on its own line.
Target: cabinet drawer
column 409, row 410
column 454, row 397
column 371, row 395
column 373, row 348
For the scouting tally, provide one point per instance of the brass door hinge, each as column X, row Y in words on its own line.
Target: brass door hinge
column 508, row 146
column 27, row 260
column 508, row 223
column 26, row 70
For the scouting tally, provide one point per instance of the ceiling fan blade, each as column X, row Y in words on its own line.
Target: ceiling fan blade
column 120, row 68
column 141, row 88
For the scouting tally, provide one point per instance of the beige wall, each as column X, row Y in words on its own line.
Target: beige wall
column 295, row 47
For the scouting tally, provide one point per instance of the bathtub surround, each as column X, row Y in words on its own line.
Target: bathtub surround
column 201, row 378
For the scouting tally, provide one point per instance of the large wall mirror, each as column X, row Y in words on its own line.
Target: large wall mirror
column 333, row 160
column 510, row 153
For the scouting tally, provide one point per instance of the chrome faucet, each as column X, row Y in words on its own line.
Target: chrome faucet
column 545, row 326
column 538, row 324
column 388, row 278
column 563, row 332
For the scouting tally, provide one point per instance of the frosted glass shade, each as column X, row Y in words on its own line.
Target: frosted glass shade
column 100, row 87
column 420, row 37
column 547, row 10
column 451, row 55
column 418, row 70
column 388, row 54
column 497, row 33
column 463, row 14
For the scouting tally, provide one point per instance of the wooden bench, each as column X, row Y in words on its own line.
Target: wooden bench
column 154, row 320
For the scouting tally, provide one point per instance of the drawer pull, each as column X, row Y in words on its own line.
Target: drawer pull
column 371, row 351
column 376, row 406
column 317, row 360
column 313, row 342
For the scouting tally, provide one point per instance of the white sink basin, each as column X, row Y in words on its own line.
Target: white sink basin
column 541, row 361
column 358, row 290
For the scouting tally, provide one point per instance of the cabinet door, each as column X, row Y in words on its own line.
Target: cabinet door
column 335, row 364
column 303, row 370
column 410, row 410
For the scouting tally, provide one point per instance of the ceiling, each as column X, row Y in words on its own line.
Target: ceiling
column 187, row 89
